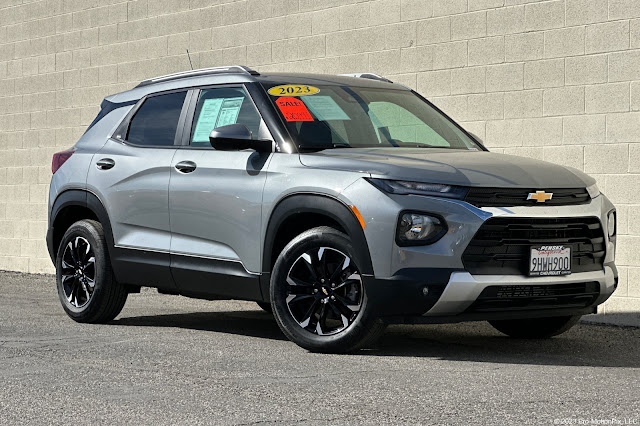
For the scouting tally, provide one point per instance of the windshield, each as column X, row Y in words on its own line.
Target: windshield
column 323, row 117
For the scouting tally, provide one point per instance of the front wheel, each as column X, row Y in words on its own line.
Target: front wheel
column 318, row 296
column 86, row 286
column 535, row 328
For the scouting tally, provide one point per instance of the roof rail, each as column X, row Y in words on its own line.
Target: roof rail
column 369, row 75
column 231, row 69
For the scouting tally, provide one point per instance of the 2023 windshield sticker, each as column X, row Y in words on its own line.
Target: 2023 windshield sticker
column 293, row 90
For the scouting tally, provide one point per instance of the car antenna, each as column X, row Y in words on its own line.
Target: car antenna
column 189, row 56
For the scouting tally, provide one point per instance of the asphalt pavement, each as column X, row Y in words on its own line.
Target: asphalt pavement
column 174, row 360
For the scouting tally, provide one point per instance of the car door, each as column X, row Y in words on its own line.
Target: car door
column 130, row 175
column 215, row 200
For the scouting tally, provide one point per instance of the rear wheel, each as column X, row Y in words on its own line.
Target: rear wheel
column 87, row 288
column 535, row 328
column 318, row 296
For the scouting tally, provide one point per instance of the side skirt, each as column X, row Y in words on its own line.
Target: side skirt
column 142, row 268
column 205, row 278
column 197, row 277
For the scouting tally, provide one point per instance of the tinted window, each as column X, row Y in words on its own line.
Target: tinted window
column 156, row 121
column 221, row 107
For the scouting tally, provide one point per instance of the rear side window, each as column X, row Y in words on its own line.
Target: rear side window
column 156, row 121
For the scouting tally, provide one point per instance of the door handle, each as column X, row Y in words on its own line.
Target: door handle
column 185, row 166
column 105, row 164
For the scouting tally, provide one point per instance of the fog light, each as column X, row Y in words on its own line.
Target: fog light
column 419, row 229
column 425, row 291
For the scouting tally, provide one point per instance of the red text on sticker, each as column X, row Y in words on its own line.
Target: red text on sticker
column 293, row 109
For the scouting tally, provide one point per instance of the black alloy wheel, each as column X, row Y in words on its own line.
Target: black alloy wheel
column 78, row 272
column 318, row 294
column 87, row 287
column 324, row 292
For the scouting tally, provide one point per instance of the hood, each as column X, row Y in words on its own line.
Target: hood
column 453, row 167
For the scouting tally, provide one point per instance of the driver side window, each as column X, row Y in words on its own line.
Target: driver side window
column 221, row 107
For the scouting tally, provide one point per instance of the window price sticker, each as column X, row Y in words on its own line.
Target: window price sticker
column 293, row 109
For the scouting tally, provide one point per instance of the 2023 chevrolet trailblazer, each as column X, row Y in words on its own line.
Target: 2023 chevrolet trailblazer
column 342, row 203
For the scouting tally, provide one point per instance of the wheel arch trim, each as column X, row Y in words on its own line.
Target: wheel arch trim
column 321, row 204
column 79, row 198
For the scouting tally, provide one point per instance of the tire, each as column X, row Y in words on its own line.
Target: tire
column 339, row 318
column 535, row 328
column 265, row 306
column 75, row 272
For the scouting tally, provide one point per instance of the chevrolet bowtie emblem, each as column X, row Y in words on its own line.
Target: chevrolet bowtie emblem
column 540, row 196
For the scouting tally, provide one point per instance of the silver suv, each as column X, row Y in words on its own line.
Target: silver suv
column 339, row 203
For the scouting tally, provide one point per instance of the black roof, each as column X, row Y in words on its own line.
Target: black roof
column 294, row 78
column 325, row 79
column 243, row 74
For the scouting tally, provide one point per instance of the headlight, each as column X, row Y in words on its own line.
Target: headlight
column 402, row 187
column 611, row 223
column 419, row 229
column 593, row 190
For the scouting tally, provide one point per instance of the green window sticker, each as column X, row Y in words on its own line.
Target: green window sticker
column 325, row 108
column 229, row 111
column 216, row 113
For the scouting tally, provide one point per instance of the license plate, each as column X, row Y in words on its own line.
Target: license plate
column 550, row 260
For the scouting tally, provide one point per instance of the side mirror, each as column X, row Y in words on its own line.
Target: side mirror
column 237, row 137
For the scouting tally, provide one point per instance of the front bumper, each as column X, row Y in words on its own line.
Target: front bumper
column 405, row 287
column 463, row 220
column 449, row 295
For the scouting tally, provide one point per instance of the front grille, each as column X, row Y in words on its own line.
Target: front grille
column 502, row 245
column 501, row 298
column 509, row 197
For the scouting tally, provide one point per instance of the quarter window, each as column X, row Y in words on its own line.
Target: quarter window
column 221, row 107
column 156, row 121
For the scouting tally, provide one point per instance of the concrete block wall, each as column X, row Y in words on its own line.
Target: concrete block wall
column 557, row 80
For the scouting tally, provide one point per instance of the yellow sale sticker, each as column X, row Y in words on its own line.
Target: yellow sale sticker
column 293, row 90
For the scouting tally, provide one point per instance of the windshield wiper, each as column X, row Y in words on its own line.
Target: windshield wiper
column 322, row 148
column 404, row 144
column 436, row 146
